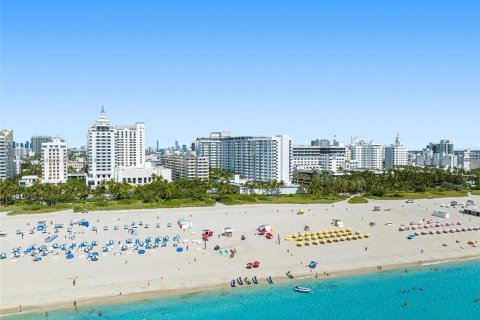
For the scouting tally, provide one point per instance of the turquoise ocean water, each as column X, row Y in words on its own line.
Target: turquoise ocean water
column 443, row 291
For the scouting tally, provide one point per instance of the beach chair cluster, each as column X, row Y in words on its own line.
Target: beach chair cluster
column 246, row 280
column 426, row 225
column 327, row 236
column 70, row 250
column 223, row 251
column 441, row 231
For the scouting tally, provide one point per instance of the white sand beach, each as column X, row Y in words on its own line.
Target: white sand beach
column 48, row 283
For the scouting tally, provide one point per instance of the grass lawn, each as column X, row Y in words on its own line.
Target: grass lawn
column 235, row 199
column 357, row 199
column 105, row 205
column 4, row 208
column 475, row 192
column 138, row 204
column 36, row 208
column 422, row 195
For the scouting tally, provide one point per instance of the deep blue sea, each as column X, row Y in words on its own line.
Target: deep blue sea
column 441, row 291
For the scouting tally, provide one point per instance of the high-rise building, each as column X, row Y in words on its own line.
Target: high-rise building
column 367, row 154
column 130, row 145
column 212, row 147
column 438, row 154
column 396, row 154
column 255, row 158
column 113, row 146
column 444, row 147
column 54, row 161
column 36, row 143
column 7, row 165
column 100, row 150
column 320, row 143
column 187, row 166
column 475, row 159
column 319, row 156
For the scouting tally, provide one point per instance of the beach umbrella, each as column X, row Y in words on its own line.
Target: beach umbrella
column 256, row 264
column 141, row 251
column 69, row 256
column 249, row 265
column 179, row 249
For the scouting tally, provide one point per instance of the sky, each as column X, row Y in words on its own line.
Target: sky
column 309, row 69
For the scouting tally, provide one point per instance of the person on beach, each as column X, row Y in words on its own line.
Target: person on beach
column 75, row 305
column 74, row 282
column 20, row 308
column 46, row 314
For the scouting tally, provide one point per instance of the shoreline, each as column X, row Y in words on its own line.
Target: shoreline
column 159, row 294
column 163, row 271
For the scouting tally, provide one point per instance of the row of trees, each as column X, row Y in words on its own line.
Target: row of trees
column 404, row 179
column 76, row 190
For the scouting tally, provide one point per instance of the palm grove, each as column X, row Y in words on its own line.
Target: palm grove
column 218, row 187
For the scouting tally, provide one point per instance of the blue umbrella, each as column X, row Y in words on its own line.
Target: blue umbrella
column 179, row 249
column 70, row 256
column 141, row 251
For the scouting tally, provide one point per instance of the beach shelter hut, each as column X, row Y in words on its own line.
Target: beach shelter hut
column 184, row 224
column 265, row 228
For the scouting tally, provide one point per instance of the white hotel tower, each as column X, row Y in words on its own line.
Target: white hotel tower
column 100, row 150
column 54, row 161
column 396, row 154
column 110, row 147
column 255, row 158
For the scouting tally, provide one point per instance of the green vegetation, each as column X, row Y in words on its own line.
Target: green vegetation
column 433, row 193
column 234, row 199
column 37, row 208
column 138, row 204
column 357, row 199
column 402, row 183
column 475, row 192
column 403, row 180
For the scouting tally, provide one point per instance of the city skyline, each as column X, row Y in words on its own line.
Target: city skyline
column 310, row 70
column 187, row 143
